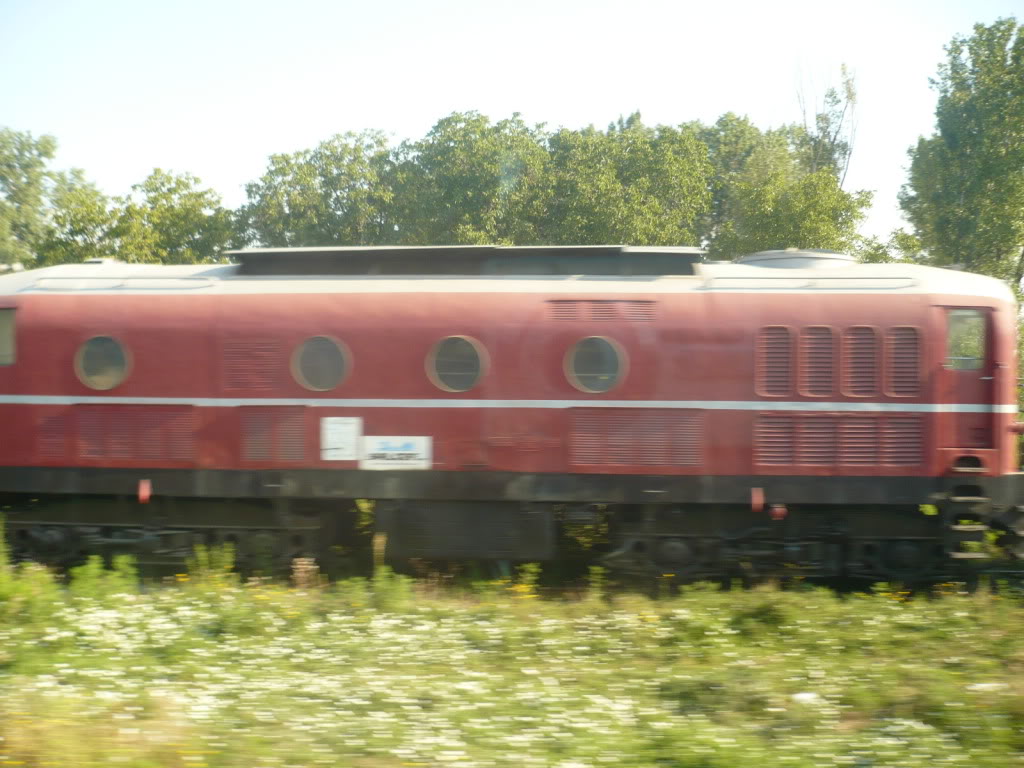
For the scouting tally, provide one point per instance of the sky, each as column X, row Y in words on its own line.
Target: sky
column 214, row 87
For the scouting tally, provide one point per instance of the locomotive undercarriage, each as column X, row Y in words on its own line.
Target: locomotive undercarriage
column 959, row 534
column 949, row 540
column 908, row 544
column 265, row 535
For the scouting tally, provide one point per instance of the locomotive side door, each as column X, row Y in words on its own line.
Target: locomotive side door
column 967, row 378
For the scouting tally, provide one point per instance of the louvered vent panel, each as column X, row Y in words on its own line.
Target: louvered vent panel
column 817, row 443
column 179, row 430
column 586, row 440
column 52, row 436
column 135, row 432
column 686, row 434
column 620, row 438
column 168, row 434
column 152, row 446
column 858, row 441
column 291, row 435
column 817, row 361
column 902, row 442
column 121, row 436
column 774, row 439
column 635, row 437
column 89, row 423
column 903, row 362
column 257, row 433
column 602, row 310
column 774, row 361
column 252, row 365
column 564, row 310
column 639, row 311
column 273, row 433
column 860, row 361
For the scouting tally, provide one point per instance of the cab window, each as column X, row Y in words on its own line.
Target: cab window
column 965, row 340
column 7, row 351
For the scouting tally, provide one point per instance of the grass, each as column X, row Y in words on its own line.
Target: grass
column 208, row 672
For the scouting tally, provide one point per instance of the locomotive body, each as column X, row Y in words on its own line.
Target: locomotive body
column 792, row 408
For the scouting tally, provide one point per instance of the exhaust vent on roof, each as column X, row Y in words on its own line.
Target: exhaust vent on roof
column 794, row 258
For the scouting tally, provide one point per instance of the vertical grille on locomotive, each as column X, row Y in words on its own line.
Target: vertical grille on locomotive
column 273, row 433
column 860, row 361
column 774, row 374
column 903, row 362
column 817, row 361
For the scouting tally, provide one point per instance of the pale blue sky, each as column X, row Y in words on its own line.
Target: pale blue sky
column 214, row 88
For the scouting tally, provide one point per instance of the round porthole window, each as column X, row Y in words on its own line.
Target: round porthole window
column 594, row 364
column 456, row 363
column 319, row 364
column 101, row 363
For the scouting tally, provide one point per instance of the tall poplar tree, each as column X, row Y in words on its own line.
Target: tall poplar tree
column 965, row 193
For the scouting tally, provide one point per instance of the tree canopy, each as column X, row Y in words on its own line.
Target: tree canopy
column 24, row 176
column 730, row 186
column 965, row 192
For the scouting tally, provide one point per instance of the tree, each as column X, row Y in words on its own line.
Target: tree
column 826, row 143
column 730, row 143
column 773, row 201
column 965, row 193
column 783, row 187
column 170, row 220
column 23, row 192
column 335, row 194
column 630, row 184
column 470, row 181
column 81, row 219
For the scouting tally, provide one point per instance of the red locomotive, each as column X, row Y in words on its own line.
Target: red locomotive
column 789, row 408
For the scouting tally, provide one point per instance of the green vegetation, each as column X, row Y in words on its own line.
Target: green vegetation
column 730, row 185
column 468, row 181
column 965, row 194
column 207, row 671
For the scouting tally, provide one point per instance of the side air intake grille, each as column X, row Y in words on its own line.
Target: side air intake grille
column 902, row 444
column 134, row 432
column 774, row 361
column 602, row 310
column 774, row 439
column 903, row 362
column 635, row 437
column 52, row 436
column 860, row 361
column 816, row 446
column 827, row 440
column 271, row 433
column 252, row 366
column 817, row 361
column 858, row 441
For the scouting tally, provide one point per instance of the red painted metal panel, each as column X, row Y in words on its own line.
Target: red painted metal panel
column 695, row 347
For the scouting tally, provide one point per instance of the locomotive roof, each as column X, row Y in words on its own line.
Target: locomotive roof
column 839, row 276
column 469, row 260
